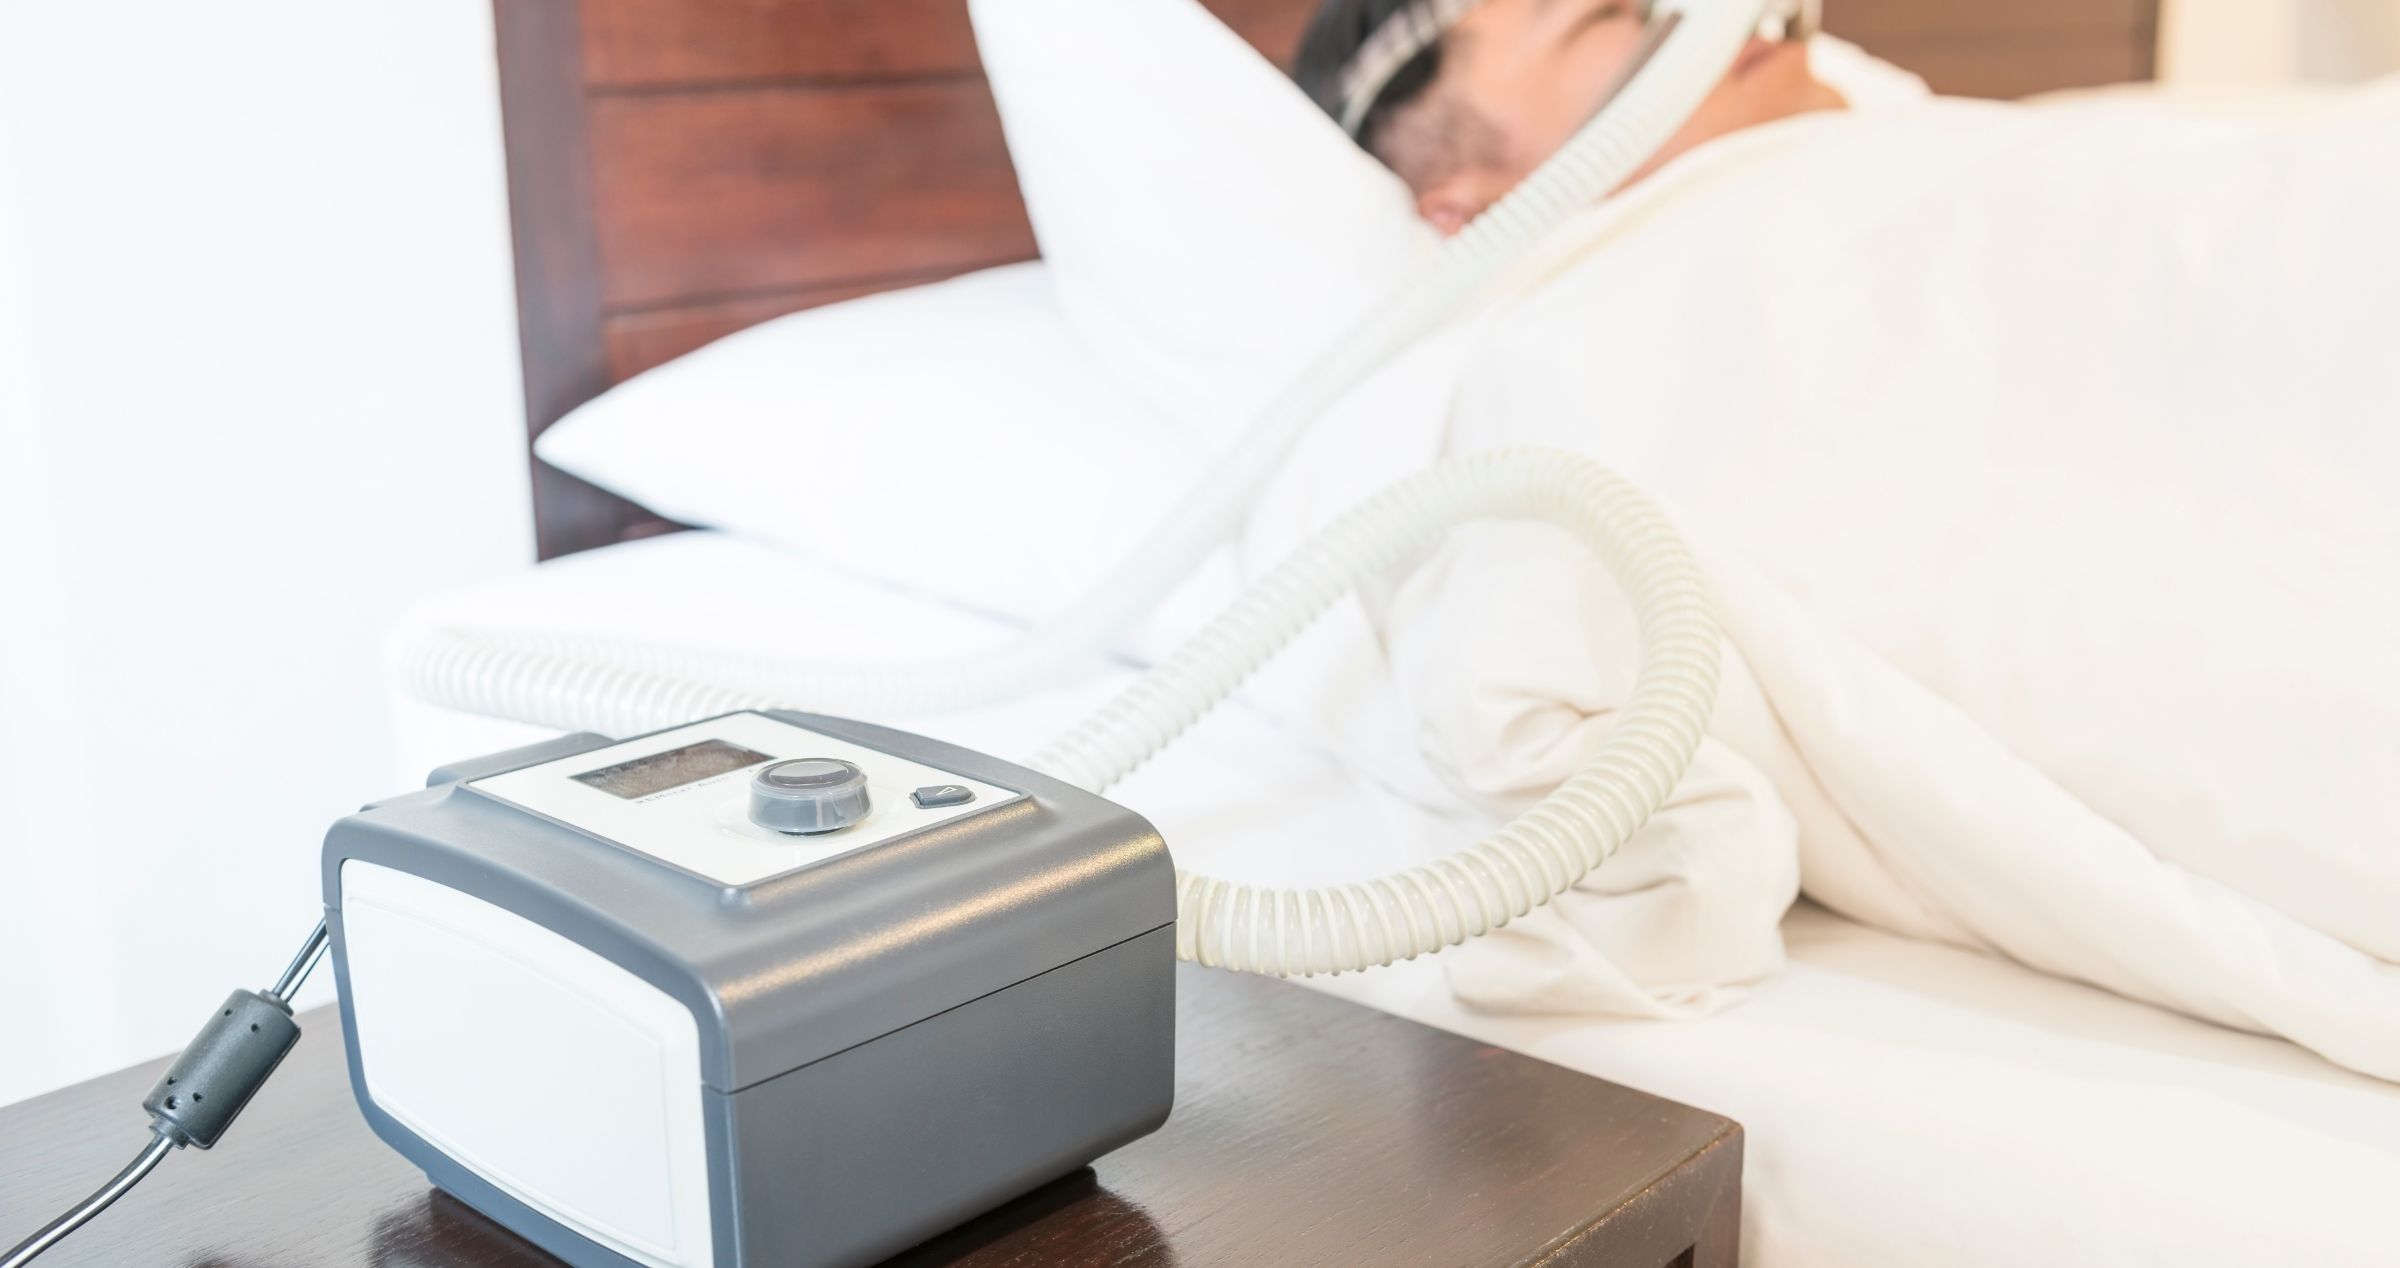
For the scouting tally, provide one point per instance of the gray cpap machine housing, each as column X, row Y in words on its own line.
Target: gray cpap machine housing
column 607, row 1010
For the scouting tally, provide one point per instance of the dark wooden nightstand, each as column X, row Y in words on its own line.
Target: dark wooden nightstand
column 1307, row 1130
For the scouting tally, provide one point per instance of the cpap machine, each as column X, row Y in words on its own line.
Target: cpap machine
column 769, row 988
column 773, row 988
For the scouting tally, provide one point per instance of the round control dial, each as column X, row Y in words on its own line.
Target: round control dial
column 808, row 794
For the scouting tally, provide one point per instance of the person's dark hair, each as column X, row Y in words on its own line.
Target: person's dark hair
column 1333, row 38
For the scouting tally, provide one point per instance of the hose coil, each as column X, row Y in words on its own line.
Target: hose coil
column 1562, row 839
column 1284, row 932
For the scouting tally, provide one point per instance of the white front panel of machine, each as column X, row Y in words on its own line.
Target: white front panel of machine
column 553, row 1073
column 682, row 796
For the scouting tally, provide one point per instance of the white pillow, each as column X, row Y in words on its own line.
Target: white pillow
column 952, row 438
column 1208, row 227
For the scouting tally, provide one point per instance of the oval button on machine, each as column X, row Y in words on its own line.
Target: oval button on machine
column 808, row 795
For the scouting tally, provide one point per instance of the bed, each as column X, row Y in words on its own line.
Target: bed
column 1905, row 1103
column 679, row 171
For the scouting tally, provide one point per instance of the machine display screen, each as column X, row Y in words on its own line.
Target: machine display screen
column 674, row 768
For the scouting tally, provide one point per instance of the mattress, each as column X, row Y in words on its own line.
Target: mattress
column 1906, row 1103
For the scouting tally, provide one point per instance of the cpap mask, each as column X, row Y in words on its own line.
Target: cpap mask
column 1411, row 32
column 738, row 931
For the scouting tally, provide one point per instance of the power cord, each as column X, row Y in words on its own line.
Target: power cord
column 216, row 1075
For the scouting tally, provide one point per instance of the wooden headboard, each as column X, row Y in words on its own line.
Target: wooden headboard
column 680, row 169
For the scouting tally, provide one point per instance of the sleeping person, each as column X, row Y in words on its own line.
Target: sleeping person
column 1463, row 101
column 2041, row 458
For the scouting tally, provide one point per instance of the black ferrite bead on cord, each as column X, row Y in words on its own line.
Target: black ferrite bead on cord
column 223, row 1068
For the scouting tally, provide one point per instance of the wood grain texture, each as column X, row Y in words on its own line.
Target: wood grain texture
column 777, row 188
column 2008, row 50
column 667, row 44
column 1306, row 1130
column 559, row 279
column 1986, row 71
column 1968, row 21
column 641, row 339
column 655, row 43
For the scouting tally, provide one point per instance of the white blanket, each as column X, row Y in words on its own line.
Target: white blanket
column 1988, row 1115
column 2046, row 466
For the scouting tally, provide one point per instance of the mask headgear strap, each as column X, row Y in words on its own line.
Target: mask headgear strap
column 1388, row 49
column 1411, row 30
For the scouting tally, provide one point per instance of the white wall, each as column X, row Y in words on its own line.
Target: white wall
column 2255, row 43
column 258, row 392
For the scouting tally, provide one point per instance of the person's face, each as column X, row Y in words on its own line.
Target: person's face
column 1516, row 79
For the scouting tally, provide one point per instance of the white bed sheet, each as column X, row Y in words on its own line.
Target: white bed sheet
column 1905, row 1103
